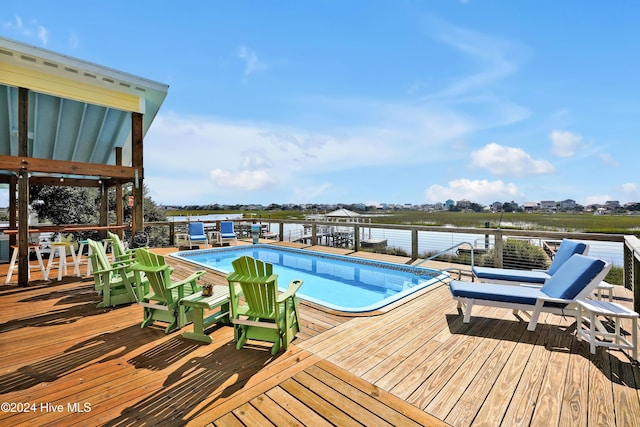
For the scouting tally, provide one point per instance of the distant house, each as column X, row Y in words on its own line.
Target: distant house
column 612, row 205
column 568, row 204
column 496, row 206
column 449, row 203
column 463, row 204
column 530, row 206
column 549, row 205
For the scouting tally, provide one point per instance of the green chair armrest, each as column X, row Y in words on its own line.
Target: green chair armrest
column 148, row 268
column 291, row 290
column 195, row 276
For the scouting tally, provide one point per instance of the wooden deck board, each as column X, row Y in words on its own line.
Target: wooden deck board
column 417, row 363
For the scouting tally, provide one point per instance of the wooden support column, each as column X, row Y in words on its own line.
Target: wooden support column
column 23, row 188
column 13, row 208
column 137, row 163
column 104, row 208
column 356, row 237
column 119, row 202
column 414, row 243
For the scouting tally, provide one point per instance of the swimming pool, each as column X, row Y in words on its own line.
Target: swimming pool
column 338, row 282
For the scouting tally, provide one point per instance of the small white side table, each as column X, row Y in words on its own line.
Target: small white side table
column 594, row 332
column 602, row 288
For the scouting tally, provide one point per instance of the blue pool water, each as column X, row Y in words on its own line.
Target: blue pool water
column 334, row 281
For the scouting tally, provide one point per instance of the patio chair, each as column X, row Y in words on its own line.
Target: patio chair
column 113, row 280
column 226, row 234
column 265, row 314
column 119, row 251
column 575, row 279
column 510, row 276
column 196, row 235
column 159, row 294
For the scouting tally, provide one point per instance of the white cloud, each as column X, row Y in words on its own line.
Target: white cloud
column 608, row 159
column 74, row 41
column 251, row 61
column 629, row 187
column 479, row 191
column 598, row 199
column 30, row 30
column 495, row 58
column 43, row 35
column 565, row 144
column 502, row 160
column 244, row 180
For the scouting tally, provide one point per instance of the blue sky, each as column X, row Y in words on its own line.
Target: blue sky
column 351, row 101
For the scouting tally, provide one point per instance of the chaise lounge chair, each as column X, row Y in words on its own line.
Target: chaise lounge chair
column 510, row 276
column 197, row 235
column 226, row 234
column 575, row 279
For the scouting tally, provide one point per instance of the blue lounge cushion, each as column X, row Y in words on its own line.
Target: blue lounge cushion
column 226, row 228
column 511, row 275
column 196, row 229
column 493, row 292
column 573, row 276
column 567, row 248
column 570, row 279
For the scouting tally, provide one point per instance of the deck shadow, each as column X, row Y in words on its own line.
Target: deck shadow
column 59, row 316
column 560, row 338
column 98, row 349
column 196, row 385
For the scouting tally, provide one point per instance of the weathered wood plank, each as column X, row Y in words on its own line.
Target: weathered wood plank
column 549, row 403
column 576, row 394
column 504, row 389
column 627, row 404
column 250, row 416
column 315, row 402
column 274, row 412
column 329, row 392
column 392, row 404
column 294, row 406
column 601, row 409
column 463, row 412
column 455, row 385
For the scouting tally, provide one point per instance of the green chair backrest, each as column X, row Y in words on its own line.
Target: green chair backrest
column 259, row 286
column 99, row 256
column 159, row 279
column 117, row 246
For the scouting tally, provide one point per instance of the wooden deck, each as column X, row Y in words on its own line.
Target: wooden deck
column 417, row 364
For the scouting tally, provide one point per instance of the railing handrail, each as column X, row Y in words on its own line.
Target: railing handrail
column 442, row 252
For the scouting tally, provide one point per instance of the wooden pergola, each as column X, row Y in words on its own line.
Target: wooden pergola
column 64, row 121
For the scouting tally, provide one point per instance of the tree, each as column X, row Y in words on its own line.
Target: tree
column 80, row 205
column 65, row 205
column 476, row 207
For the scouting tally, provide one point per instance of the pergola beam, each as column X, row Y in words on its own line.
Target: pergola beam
column 22, row 163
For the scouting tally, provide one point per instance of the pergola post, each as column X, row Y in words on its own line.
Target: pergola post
column 23, row 188
column 119, row 203
column 137, row 163
column 104, row 208
column 13, row 207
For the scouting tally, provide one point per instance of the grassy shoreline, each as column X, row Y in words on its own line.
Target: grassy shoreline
column 568, row 222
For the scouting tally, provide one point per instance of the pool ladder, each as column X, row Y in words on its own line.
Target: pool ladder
column 459, row 270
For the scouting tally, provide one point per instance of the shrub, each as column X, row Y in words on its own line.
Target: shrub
column 517, row 254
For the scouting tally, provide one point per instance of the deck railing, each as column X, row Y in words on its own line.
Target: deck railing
column 421, row 242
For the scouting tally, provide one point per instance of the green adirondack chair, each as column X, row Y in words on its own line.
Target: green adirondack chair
column 159, row 295
column 119, row 251
column 114, row 281
column 265, row 315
